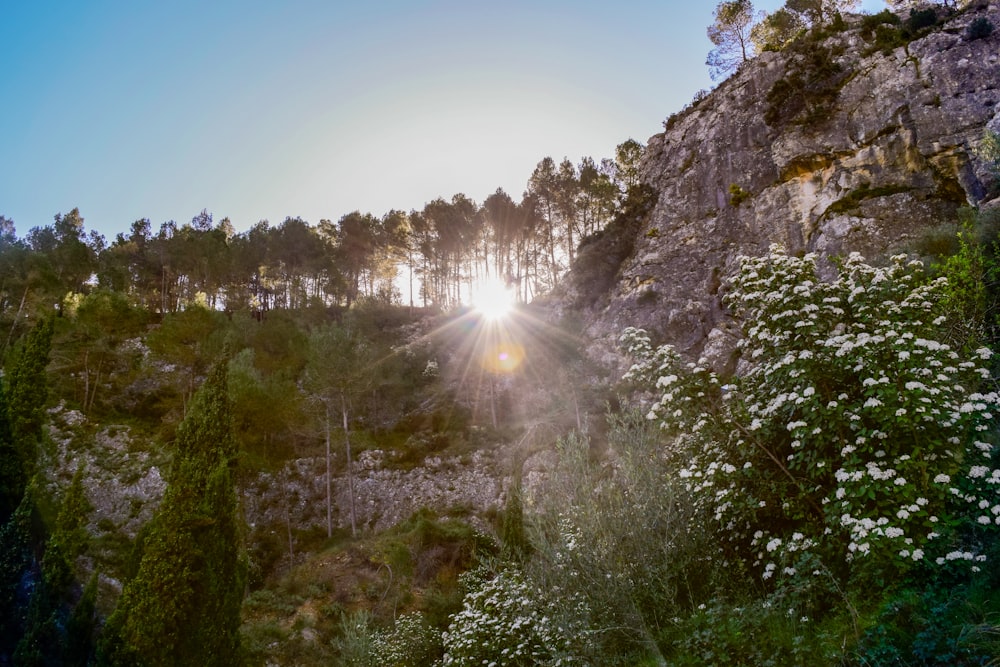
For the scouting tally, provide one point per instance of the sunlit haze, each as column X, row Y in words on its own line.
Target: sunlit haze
column 492, row 299
column 263, row 110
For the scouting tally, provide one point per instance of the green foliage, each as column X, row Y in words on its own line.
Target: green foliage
column 92, row 350
column 980, row 28
column 920, row 19
column 27, row 395
column 883, row 31
column 513, row 538
column 13, row 475
column 189, row 341
column 777, row 30
column 737, row 195
column 622, row 539
column 355, row 641
column 16, row 559
column 809, row 90
column 48, row 637
column 182, row 606
column 81, row 627
column 506, row 620
column 601, row 255
column 428, row 552
column 964, row 294
column 265, row 408
column 730, row 33
column 410, row 641
column 856, row 434
column 988, row 151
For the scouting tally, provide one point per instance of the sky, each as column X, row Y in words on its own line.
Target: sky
column 259, row 110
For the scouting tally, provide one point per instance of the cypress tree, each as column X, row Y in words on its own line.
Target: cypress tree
column 29, row 390
column 15, row 564
column 22, row 413
column 81, row 626
column 182, row 607
column 12, row 470
column 44, row 640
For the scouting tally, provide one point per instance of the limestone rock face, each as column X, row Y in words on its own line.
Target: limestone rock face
column 892, row 155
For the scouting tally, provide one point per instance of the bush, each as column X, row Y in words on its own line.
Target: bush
column 920, row 19
column 410, row 641
column 855, row 435
column 622, row 536
column 505, row 621
column 980, row 28
column 737, row 195
column 809, row 89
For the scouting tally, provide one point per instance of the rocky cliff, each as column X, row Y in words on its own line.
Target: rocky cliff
column 835, row 146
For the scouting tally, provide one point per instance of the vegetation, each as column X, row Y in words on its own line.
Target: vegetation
column 731, row 35
column 832, row 502
column 183, row 605
column 980, row 28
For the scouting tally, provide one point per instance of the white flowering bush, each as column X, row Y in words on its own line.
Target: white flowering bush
column 505, row 621
column 410, row 641
column 853, row 433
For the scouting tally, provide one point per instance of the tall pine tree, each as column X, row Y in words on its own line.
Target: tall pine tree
column 182, row 607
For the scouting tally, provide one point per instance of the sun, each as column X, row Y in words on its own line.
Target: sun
column 492, row 299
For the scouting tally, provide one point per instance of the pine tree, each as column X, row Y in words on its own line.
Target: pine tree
column 182, row 607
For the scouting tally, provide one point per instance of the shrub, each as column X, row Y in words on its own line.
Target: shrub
column 809, row 89
column 988, row 150
column 622, row 536
column 871, row 22
column 505, row 621
column 920, row 19
column 980, row 28
column 737, row 195
column 410, row 641
column 856, row 435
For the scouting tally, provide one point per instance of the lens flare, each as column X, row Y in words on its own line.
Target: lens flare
column 492, row 299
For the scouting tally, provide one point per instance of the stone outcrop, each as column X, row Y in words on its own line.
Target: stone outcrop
column 893, row 155
column 383, row 495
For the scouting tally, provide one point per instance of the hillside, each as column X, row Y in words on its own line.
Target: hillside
column 246, row 442
column 867, row 149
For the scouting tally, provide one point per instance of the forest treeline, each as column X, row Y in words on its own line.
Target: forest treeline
column 426, row 257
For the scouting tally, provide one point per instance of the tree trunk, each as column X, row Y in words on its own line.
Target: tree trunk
column 329, row 503
column 17, row 317
column 350, row 471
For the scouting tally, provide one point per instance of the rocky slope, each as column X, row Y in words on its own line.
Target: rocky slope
column 880, row 147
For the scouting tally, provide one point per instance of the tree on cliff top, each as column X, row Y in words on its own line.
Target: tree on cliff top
column 731, row 35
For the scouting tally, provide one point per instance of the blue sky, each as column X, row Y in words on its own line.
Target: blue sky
column 261, row 110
